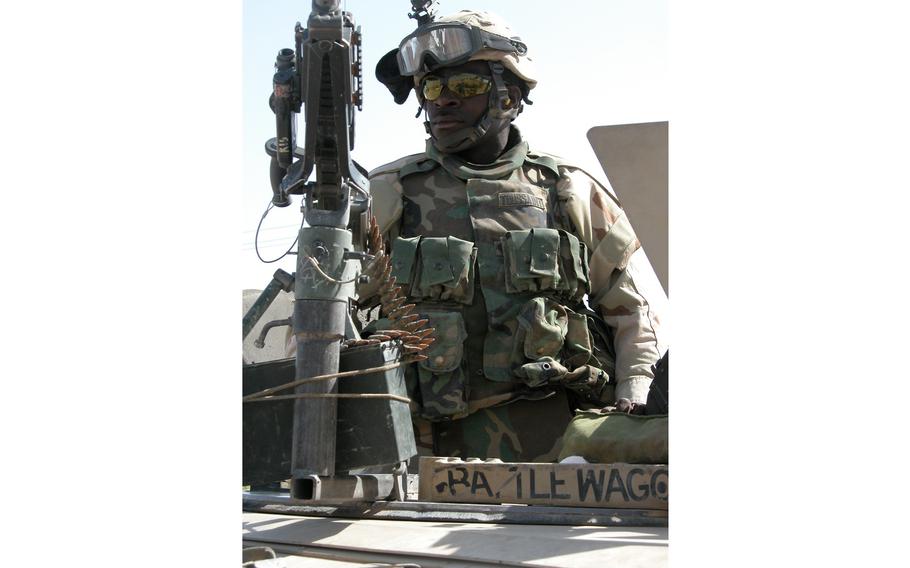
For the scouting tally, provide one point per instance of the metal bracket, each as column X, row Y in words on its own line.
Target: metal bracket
column 400, row 490
column 281, row 280
column 351, row 488
column 260, row 341
column 339, row 217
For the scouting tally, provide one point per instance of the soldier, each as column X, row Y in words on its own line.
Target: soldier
column 499, row 245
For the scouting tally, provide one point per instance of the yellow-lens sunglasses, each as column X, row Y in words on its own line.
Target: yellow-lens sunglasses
column 463, row 85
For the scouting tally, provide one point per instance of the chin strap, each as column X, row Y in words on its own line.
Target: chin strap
column 499, row 98
column 497, row 111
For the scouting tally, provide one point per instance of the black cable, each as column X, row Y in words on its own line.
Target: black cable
column 256, row 239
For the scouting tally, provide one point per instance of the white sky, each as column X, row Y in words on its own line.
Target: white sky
column 599, row 62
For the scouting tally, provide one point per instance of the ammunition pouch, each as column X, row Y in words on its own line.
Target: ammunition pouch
column 435, row 268
column 545, row 260
column 544, row 270
column 538, row 329
column 433, row 271
column 441, row 377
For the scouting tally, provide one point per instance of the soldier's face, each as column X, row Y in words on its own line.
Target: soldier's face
column 449, row 112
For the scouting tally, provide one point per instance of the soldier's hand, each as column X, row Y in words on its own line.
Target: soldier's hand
column 629, row 407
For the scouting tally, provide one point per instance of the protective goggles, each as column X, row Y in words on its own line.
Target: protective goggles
column 463, row 85
column 449, row 43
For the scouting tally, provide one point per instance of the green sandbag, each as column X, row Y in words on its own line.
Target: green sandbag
column 616, row 437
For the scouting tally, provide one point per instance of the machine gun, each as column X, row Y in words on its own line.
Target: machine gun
column 322, row 77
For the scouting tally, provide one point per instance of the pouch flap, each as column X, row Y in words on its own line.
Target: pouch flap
column 577, row 335
column 578, row 340
column 572, row 251
column 545, row 324
column 517, row 251
column 461, row 257
column 445, row 353
column 404, row 252
column 545, row 252
column 435, row 267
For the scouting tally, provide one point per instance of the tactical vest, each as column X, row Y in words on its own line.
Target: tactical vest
column 490, row 264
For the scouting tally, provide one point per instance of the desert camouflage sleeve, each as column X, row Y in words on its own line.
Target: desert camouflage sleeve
column 616, row 292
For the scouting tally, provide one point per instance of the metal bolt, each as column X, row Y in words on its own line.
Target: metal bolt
column 319, row 249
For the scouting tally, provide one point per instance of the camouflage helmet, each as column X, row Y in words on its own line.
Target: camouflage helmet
column 512, row 53
column 454, row 40
column 471, row 35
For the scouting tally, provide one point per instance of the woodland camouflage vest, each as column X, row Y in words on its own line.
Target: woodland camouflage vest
column 485, row 255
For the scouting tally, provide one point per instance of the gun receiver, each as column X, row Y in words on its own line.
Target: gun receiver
column 323, row 74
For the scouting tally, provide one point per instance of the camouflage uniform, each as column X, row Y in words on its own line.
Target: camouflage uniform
column 499, row 258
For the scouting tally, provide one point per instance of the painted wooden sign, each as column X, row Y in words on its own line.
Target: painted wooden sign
column 619, row 485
